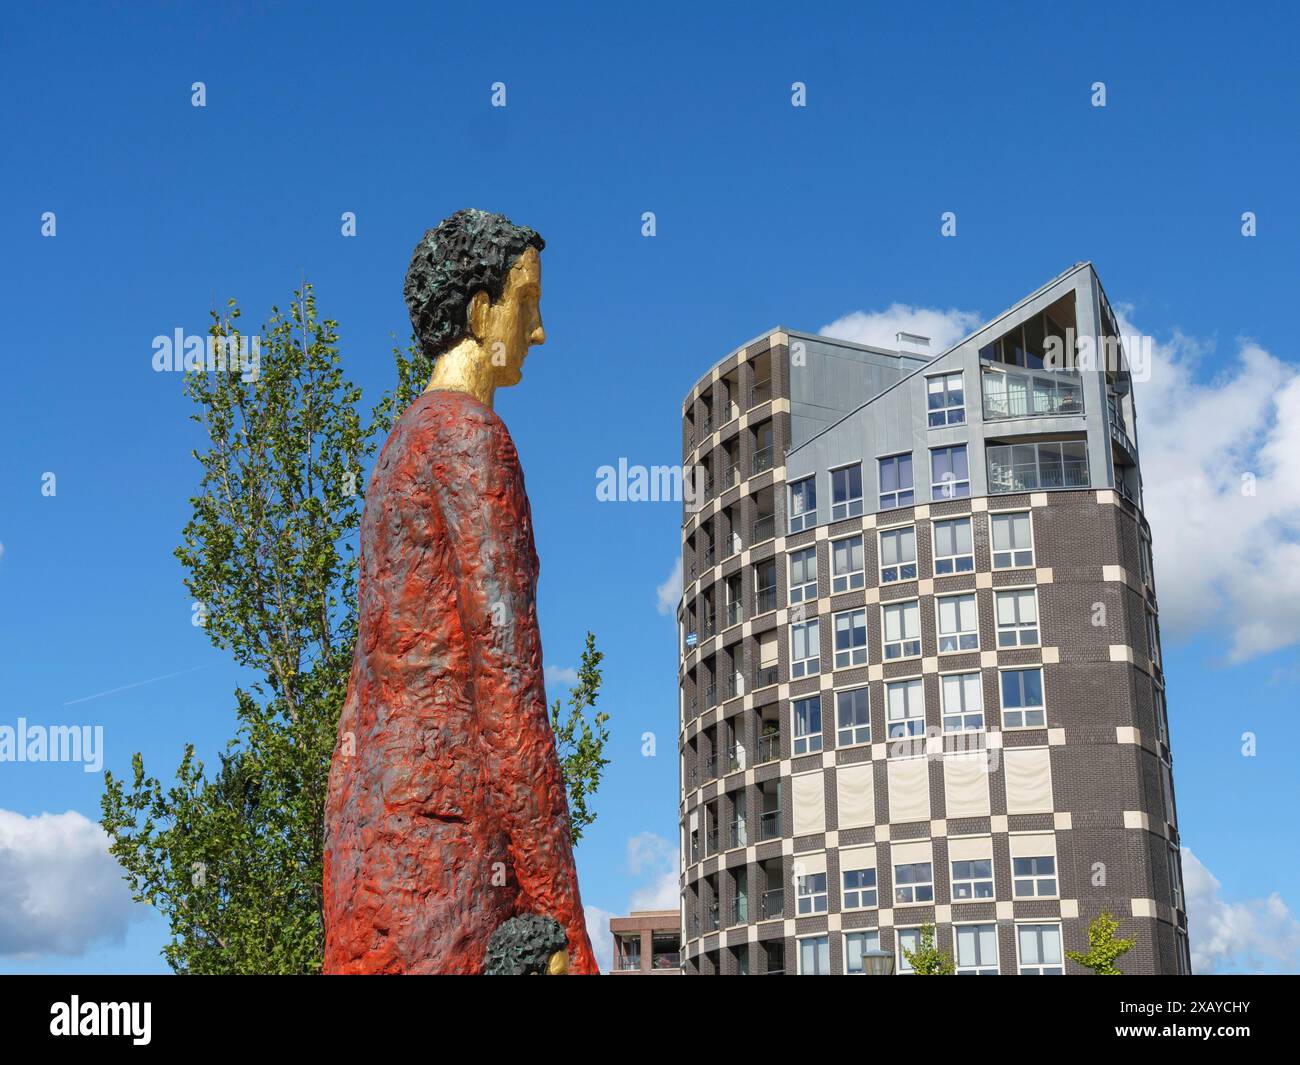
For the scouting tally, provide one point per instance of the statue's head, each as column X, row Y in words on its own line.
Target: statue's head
column 478, row 275
column 529, row 945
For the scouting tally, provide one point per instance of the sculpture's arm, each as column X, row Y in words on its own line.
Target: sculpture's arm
column 487, row 516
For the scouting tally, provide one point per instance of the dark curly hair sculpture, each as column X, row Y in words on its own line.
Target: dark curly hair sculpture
column 522, row 946
column 469, row 251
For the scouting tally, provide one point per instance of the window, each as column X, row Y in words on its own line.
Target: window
column 852, row 718
column 896, row 482
column 1176, row 877
column 1033, row 878
column 949, row 475
column 805, row 649
column 1027, row 467
column 898, row 555
column 1013, row 394
column 803, row 504
column 1153, row 638
column 1013, row 540
column 807, row 715
column 1039, row 948
column 902, row 630
column 811, row 894
column 959, row 627
column 1144, row 554
column 846, row 492
column 859, row 888
column 977, row 949
column 904, row 708
column 963, row 702
column 952, row 547
column 1022, row 698
column 945, row 400
column 855, row 945
column 850, row 639
column 1017, row 613
column 803, row 575
column 907, row 939
column 972, row 880
column 815, row 956
column 847, row 569
column 765, row 586
column 913, row 883
column 1162, row 717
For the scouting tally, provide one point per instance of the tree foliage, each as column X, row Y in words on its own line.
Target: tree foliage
column 927, row 959
column 1103, row 947
column 581, row 740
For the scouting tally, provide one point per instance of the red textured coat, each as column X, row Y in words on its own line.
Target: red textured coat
column 446, row 812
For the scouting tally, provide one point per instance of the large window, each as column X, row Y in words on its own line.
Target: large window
column 902, row 629
column 803, row 504
column 1033, row 878
column 959, row 627
column 1022, row 698
column 904, row 708
column 846, row 492
column 945, row 400
column 977, row 949
column 1026, row 394
column 913, row 883
column 852, row 717
column 1029, row 467
column 850, row 638
column 847, row 569
column 907, row 939
column 1039, row 949
column 815, row 956
column 972, row 880
column 803, row 575
column 949, row 474
column 859, row 888
column 806, row 715
column 811, row 894
column 805, row 649
column 896, row 482
column 963, row 702
column 1017, row 614
column 898, row 555
column 1013, row 540
column 855, row 945
column 952, row 547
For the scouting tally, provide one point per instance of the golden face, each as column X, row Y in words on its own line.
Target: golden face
column 559, row 964
column 506, row 328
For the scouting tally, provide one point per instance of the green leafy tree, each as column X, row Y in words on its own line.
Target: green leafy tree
column 233, row 858
column 927, row 959
column 1103, row 947
column 581, row 740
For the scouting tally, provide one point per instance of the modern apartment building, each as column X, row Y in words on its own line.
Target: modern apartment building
column 920, row 658
column 647, row 942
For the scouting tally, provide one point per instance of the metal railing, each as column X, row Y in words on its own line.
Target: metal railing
column 769, row 824
column 764, row 528
column 769, row 749
column 764, row 599
column 762, row 459
column 773, row 903
column 735, row 613
column 735, row 685
column 711, row 696
column 739, row 836
column 760, row 392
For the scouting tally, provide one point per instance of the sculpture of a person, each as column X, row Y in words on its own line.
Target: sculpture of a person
column 446, row 812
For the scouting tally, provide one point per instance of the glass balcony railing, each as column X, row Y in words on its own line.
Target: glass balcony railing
column 763, row 459
column 739, row 836
column 1030, row 394
column 710, row 696
column 735, row 685
column 735, row 613
column 765, row 600
column 1031, row 467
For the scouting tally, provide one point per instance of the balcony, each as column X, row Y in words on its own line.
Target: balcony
column 707, row 626
column 764, row 528
column 735, row 613
column 773, row 903
column 706, row 559
column 739, row 836
column 1032, row 467
column 711, row 922
column 1031, row 394
column 765, row 599
column 769, row 748
column 762, row 460
column 710, row 696
column 769, row 825
column 735, row 686
column 711, row 843
column 760, row 392
column 740, row 911
column 735, row 758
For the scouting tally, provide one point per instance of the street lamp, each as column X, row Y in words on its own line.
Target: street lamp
column 877, row 963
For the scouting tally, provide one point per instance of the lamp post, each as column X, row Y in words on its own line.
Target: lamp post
column 877, row 963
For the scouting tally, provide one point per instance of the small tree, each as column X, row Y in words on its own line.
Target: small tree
column 581, row 742
column 927, row 959
column 1103, row 947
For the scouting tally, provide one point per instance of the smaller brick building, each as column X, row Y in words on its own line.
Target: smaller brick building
column 647, row 943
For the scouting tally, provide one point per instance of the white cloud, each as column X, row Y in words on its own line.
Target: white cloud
column 561, row 675
column 670, row 592
column 1256, row 936
column 1224, row 558
column 878, row 328
column 602, row 940
column 60, row 889
column 652, row 857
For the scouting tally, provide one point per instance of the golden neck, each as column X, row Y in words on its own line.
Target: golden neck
column 465, row 368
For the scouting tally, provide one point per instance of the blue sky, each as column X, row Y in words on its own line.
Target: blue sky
column 766, row 213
